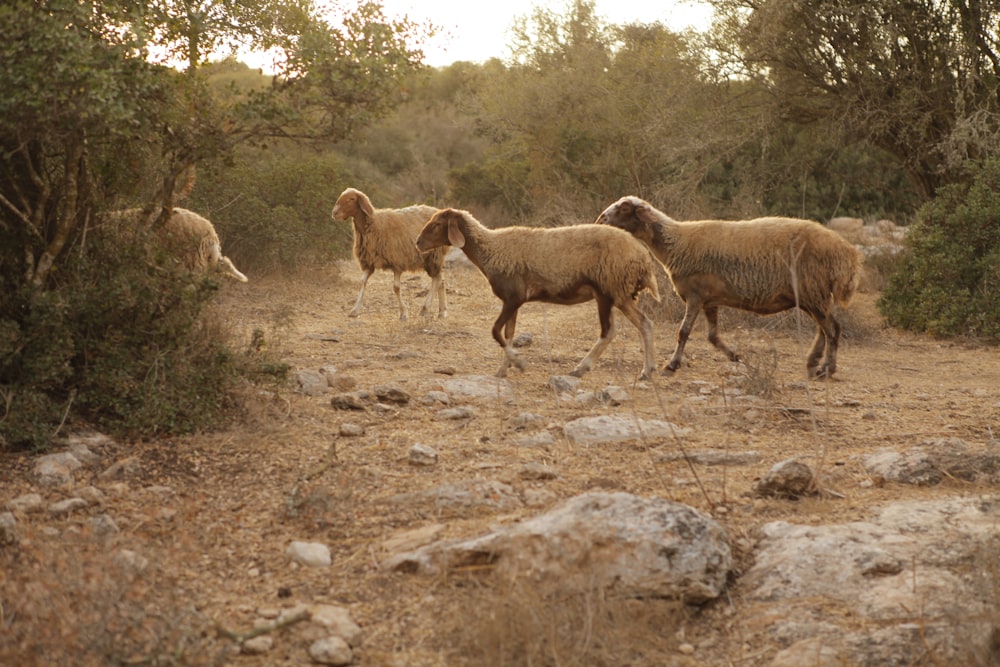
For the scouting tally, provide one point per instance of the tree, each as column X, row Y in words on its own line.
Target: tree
column 916, row 78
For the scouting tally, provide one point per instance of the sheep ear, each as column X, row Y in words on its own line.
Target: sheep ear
column 645, row 213
column 366, row 205
column 455, row 235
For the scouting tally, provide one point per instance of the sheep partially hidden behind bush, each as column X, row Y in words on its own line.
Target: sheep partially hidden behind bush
column 563, row 265
column 190, row 236
column 384, row 239
column 765, row 266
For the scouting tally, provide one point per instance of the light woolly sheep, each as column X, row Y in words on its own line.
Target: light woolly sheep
column 765, row 266
column 198, row 243
column 190, row 236
column 563, row 265
column 384, row 239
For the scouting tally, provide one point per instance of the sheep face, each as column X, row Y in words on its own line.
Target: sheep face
column 442, row 229
column 632, row 215
column 350, row 204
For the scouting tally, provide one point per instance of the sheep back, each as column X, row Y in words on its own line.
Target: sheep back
column 755, row 257
column 557, row 260
column 387, row 241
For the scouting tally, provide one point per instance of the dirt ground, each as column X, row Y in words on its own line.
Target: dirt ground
column 237, row 498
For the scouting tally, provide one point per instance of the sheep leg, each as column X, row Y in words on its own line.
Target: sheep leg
column 396, row 278
column 828, row 336
column 712, row 315
column 608, row 330
column 645, row 327
column 437, row 287
column 690, row 315
column 361, row 294
column 507, row 322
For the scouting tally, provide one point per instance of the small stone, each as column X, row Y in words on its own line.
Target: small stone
column 91, row 494
column 337, row 621
column 64, row 507
column 523, row 340
column 437, row 397
column 537, row 471
column 331, row 651
column 8, row 528
column 392, row 394
column 686, row 649
column 103, row 527
column 347, row 401
column 312, row 383
column 350, row 430
column 257, row 645
column 422, row 455
column 461, row 412
column 311, row 554
column 341, row 383
column 787, row 479
column 28, row 503
column 124, row 469
column 564, row 383
column 444, row 370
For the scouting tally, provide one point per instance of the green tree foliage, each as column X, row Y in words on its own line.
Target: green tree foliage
column 89, row 124
column 948, row 284
column 918, row 79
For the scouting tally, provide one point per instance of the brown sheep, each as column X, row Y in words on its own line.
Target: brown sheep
column 384, row 239
column 563, row 265
column 765, row 266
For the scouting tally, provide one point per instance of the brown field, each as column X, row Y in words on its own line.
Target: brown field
column 237, row 498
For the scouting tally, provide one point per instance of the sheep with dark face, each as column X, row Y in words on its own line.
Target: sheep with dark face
column 384, row 239
column 765, row 266
column 564, row 265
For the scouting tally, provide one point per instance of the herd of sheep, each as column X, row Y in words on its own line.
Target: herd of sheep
column 765, row 266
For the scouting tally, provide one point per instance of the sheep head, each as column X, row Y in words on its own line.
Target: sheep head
column 442, row 229
column 350, row 203
column 634, row 215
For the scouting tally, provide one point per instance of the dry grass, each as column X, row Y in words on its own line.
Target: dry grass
column 216, row 542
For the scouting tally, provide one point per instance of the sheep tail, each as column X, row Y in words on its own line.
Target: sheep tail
column 843, row 290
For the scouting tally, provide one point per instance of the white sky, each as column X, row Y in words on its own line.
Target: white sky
column 476, row 31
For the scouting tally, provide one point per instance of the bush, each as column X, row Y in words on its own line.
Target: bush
column 122, row 340
column 947, row 282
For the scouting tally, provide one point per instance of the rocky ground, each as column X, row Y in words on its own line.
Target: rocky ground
column 178, row 549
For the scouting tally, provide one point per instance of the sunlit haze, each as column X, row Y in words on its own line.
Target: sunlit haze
column 478, row 31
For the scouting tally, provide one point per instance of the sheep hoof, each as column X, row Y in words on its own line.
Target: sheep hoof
column 577, row 373
column 353, row 313
column 668, row 370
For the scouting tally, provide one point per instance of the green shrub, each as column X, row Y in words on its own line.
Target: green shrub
column 947, row 282
column 122, row 341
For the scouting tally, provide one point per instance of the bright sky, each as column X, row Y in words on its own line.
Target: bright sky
column 477, row 31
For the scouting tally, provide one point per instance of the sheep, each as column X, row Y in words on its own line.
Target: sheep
column 765, row 266
column 191, row 236
column 563, row 265
column 384, row 239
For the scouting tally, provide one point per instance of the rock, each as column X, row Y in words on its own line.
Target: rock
column 460, row 412
column 55, row 470
column 634, row 546
column 613, row 395
column 130, row 563
column 527, row 420
column 258, row 645
column 480, row 388
column 444, row 370
column 786, row 479
column 312, row 383
column 915, row 466
column 337, row 621
column 406, row 540
column 348, row 401
column 564, row 383
column 524, row 339
column 932, row 556
column 127, row 468
column 65, row 507
column 422, row 455
column 92, row 494
column 103, row 527
column 28, row 503
column 437, row 397
column 350, row 430
column 812, row 652
column 331, row 651
column 311, row 554
column 8, row 528
column 392, row 394
column 608, row 428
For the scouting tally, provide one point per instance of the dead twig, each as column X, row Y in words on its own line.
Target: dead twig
column 240, row 637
